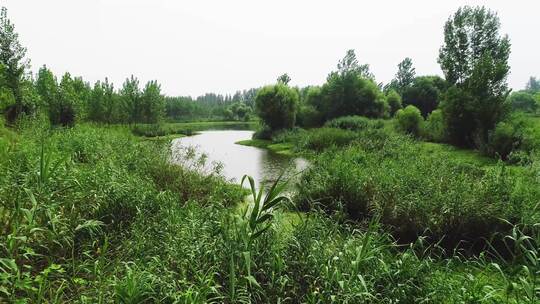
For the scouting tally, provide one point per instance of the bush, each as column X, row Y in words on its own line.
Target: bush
column 353, row 123
column 434, row 128
column 309, row 117
column 503, row 140
column 263, row 132
column 425, row 93
column 418, row 194
column 409, row 120
column 394, row 102
column 323, row 138
column 523, row 101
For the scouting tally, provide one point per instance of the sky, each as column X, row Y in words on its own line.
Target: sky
column 194, row 47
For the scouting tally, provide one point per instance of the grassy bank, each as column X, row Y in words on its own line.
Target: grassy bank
column 95, row 215
column 173, row 130
column 280, row 148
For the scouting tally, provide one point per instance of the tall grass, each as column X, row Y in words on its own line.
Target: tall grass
column 93, row 215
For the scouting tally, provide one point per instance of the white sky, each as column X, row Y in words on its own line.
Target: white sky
column 193, row 47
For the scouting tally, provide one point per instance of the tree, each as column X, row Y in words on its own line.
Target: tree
column 349, row 65
column 394, row 102
column 277, row 105
column 284, row 79
column 130, row 95
column 424, row 93
column 404, row 77
column 61, row 100
column 523, row 101
column 350, row 91
column 533, row 85
column 152, row 103
column 12, row 57
column 474, row 59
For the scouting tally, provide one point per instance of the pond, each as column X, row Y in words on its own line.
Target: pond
column 220, row 148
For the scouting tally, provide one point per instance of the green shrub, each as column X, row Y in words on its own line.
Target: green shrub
column 409, row 120
column 309, row 117
column 503, row 140
column 323, row 138
column 434, row 127
column 354, row 123
column 394, row 102
column 418, row 194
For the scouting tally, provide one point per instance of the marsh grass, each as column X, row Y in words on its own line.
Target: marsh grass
column 94, row 215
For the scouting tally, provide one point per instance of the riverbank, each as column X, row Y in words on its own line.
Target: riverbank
column 279, row 148
column 93, row 215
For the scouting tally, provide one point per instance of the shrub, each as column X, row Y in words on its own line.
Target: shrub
column 394, row 102
column 503, row 140
column 418, row 194
column 523, row 101
column 353, row 123
column 425, row 93
column 434, row 128
column 323, row 138
column 309, row 117
column 409, row 120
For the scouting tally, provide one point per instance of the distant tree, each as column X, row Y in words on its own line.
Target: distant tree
column 130, row 95
column 62, row 106
column 523, row 101
column 474, row 59
column 349, row 65
column 284, row 79
column 394, row 102
column 277, row 105
column 424, row 93
column 6, row 94
column 404, row 77
column 533, row 85
column 350, row 91
column 12, row 57
column 152, row 103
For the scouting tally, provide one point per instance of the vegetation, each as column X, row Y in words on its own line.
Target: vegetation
column 425, row 190
column 409, row 120
column 277, row 106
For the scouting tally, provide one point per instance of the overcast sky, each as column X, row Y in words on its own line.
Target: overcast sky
column 193, row 47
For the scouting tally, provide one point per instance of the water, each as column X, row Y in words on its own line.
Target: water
column 236, row 160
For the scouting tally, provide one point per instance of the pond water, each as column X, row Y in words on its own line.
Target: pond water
column 220, row 149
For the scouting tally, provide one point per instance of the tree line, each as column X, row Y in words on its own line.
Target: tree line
column 469, row 107
column 67, row 99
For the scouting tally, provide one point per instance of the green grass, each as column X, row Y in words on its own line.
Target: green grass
column 280, row 148
column 96, row 215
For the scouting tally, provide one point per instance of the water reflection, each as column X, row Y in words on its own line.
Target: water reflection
column 236, row 160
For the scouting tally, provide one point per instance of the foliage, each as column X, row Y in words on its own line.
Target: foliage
column 14, row 64
column 393, row 99
column 350, row 91
column 523, row 101
column 474, row 58
column 434, row 127
column 322, row 138
column 404, row 77
column 424, row 93
column 277, row 105
column 417, row 194
column 409, row 120
column 353, row 123
column 533, row 85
